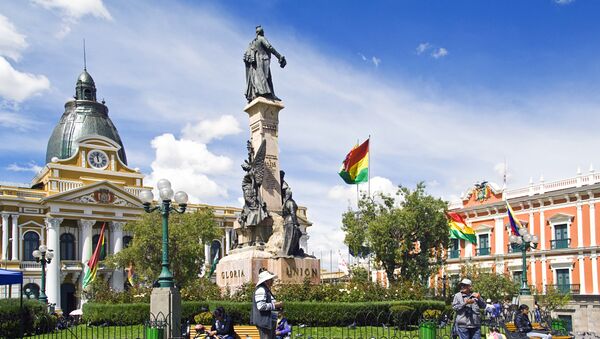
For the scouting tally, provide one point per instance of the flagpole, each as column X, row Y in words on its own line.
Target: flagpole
column 369, row 170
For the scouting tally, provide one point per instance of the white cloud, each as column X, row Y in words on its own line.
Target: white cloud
column 207, row 130
column 11, row 41
column 564, row 2
column 29, row 167
column 362, row 56
column 348, row 194
column 423, row 47
column 189, row 165
column 15, row 120
column 439, row 53
column 376, row 61
column 18, row 86
column 76, row 9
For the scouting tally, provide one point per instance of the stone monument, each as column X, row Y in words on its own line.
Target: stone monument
column 267, row 231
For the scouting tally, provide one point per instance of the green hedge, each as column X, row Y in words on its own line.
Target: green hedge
column 132, row 314
column 309, row 313
column 34, row 316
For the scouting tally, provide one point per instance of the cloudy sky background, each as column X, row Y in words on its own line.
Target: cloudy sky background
column 448, row 91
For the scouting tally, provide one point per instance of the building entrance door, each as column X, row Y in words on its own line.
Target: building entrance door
column 67, row 298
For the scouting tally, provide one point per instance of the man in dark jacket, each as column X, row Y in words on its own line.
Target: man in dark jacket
column 523, row 324
column 467, row 305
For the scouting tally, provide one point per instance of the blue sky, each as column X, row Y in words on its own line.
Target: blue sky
column 448, row 90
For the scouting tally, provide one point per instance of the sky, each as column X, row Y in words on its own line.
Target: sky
column 449, row 91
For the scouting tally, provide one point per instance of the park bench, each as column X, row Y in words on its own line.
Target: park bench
column 511, row 331
column 241, row 331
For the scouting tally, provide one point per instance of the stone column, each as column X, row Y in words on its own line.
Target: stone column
column 592, row 223
column 581, row 274
column 53, row 268
column 207, row 258
column 544, row 269
column 595, row 277
column 499, row 235
column 532, row 265
column 542, row 230
column 86, row 239
column 15, row 237
column 264, row 124
column 579, row 225
column 116, row 236
column 227, row 240
column 4, row 253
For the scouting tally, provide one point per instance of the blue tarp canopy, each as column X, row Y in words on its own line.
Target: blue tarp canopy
column 8, row 277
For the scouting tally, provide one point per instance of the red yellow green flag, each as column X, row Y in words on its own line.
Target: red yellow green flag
column 92, row 266
column 459, row 228
column 355, row 168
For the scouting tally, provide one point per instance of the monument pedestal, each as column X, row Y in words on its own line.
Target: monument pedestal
column 242, row 265
column 528, row 300
column 165, row 305
column 264, row 124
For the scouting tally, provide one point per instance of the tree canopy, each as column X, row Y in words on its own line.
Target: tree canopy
column 187, row 234
column 407, row 232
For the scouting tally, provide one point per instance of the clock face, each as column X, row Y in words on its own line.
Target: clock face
column 97, row 159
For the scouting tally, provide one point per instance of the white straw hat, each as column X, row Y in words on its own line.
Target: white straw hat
column 265, row 276
column 466, row 282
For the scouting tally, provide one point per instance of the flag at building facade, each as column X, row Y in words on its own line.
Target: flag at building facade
column 342, row 264
column 459, row 228
column 92, row 265
column 515, row 224
column 355, row 168
column 130, row 275
column 213, row 267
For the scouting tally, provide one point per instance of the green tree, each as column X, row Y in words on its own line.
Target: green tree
column 186, row 251
column 495, row 286
column 407, row 232
column 551, row 300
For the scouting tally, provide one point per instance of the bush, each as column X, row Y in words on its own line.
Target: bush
column 34, row 316
column 431, row 314
column 201, row 289
column 133, row 314
column 203, row 318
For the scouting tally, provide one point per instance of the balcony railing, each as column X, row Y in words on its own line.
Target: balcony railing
column 483, row 251
column 511, row 249
column 566, row 288
column 560, row 243
column 453, row 254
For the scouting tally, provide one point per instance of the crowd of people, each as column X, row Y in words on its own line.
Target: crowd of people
column 269, row 318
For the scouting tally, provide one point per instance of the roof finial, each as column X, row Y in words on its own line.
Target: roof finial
column 84, row 61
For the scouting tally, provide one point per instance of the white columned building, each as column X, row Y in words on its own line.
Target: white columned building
column 116, row 236
column 53, row 268
column 15, row 237
column 4, row 253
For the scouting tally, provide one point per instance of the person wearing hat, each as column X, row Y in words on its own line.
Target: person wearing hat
column 467, row 304
column 264, row 307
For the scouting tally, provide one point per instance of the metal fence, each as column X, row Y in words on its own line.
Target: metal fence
column 312, row 324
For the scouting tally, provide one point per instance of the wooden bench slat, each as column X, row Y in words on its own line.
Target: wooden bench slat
column 242, row 331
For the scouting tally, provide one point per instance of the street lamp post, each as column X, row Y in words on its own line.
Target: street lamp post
column 44, row 256
column 165, row 278
column 523, row 242
column 444, row 279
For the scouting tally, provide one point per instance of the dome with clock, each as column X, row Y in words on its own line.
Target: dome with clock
column 83, row 116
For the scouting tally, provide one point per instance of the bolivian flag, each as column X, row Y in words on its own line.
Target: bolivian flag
column 459, row 228
column 92, row 266
column 515, row 224
column 355, row 168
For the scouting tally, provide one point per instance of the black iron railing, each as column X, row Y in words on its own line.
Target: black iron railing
column 560, row 243
column 453, row 254
column 483, row 251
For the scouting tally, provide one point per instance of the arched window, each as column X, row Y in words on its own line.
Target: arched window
column 127, row 240
column 31, row 242
column 87, row 94
column 31, row 291
column 95, row 242
column 67, row 246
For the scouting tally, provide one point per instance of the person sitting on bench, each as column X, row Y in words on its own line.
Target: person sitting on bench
column 523, row 324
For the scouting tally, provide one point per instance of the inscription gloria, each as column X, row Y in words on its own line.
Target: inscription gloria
column 233, row 274
column 301, row 272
